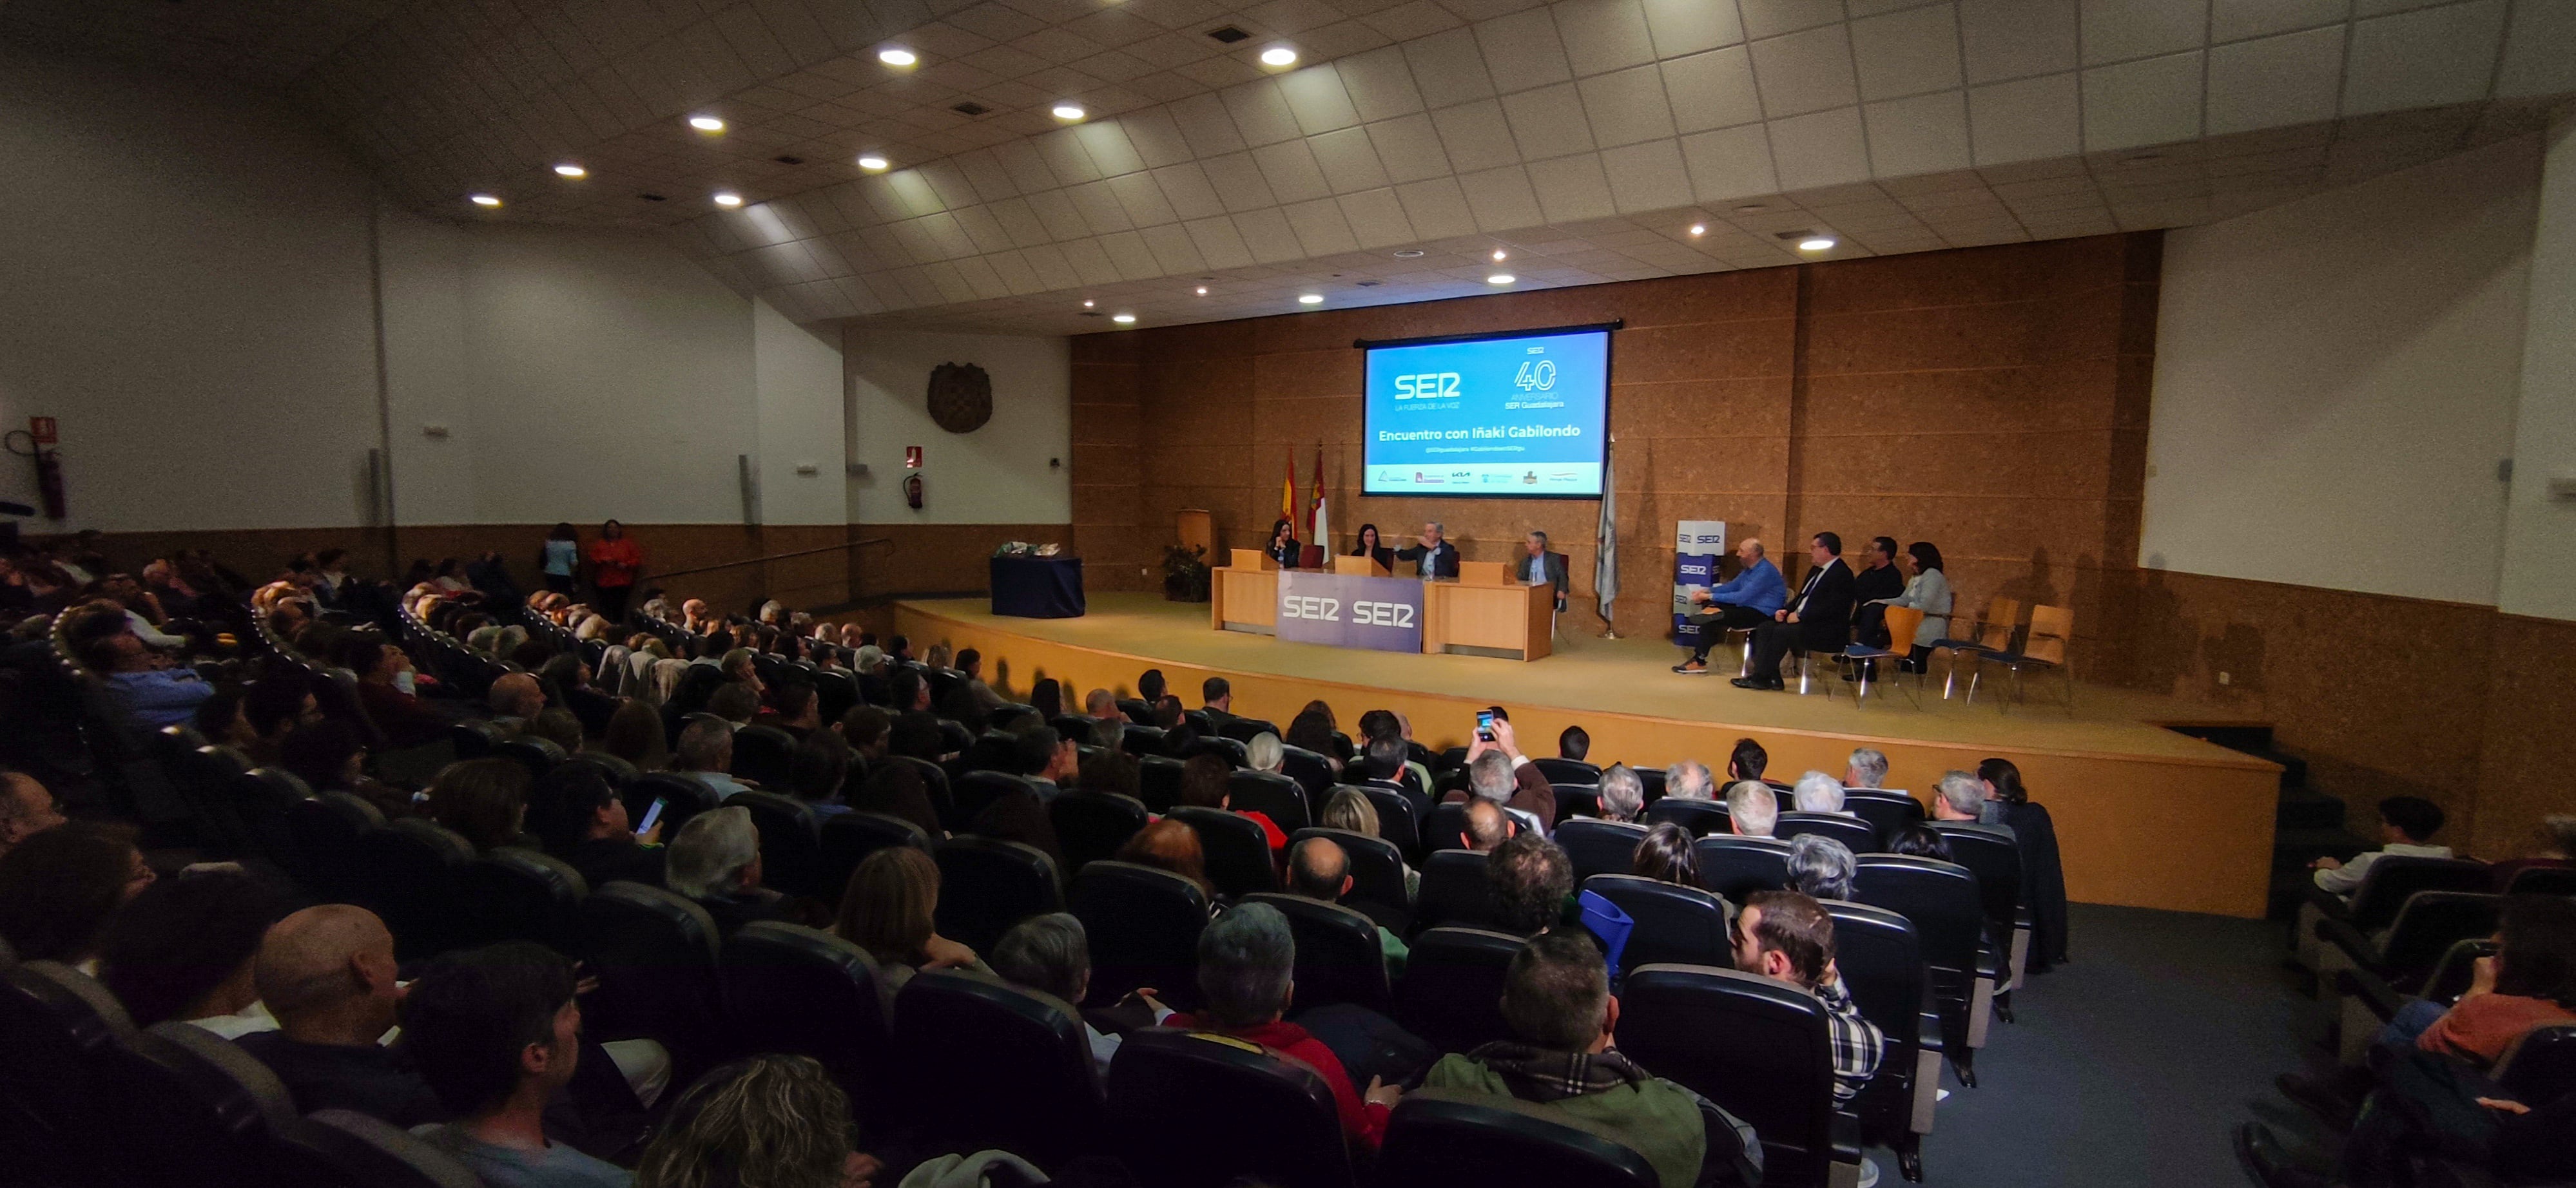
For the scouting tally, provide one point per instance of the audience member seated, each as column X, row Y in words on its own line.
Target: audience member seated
column 1265, row 753
column 1101, row 705
column 183, row 950
column 1218, row 698
column 1488, row 826
column 897, row 790
column 1817, row 792
column 484, row 800
column 1497, row 771
column 328, row 756
column 1752, row 809
column 1623, row 795
column 816, row 771
column 1110, row 770
column 385, row 690
column 1319, row 870
column 327, row 974
column 736, row 702
column 60, row 888
column 799, row 710
column 152, row 692
column 716, row 861
column 1575, row 743
column 1203, row 783
column 1919, row 841
column 1867, row 768
column 1312, row 730
column 1665, row 855
column 1689, row 780
column 2556, row 850
column 1557, row 1000
column 1533, row 885
column 1787, row 937
column 1246, row 959
column 1351, row 809
column 1747, row 762
column 1169, row 845
column 971, row 700
column 556, row 725
column 1051, row 954
column 27, row 808
column 496, row 1033
column 580, row 818
column 515, row 698
column 1821, row 867
column 706, row 754
column 2043, row 875
column 771, row 1121
column 1958, row 796
column 891, row 910
column 634, row 734
column 1053, row 762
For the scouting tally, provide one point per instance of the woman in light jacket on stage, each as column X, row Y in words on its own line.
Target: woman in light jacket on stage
column 1927, row 589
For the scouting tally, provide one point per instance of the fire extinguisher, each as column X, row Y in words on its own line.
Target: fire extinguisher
column 40, row 435
column 912, row 491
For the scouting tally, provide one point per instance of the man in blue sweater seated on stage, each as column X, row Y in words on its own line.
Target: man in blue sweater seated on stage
column 1747, row 602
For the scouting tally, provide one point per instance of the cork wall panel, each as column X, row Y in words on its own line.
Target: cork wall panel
column 2528, row 751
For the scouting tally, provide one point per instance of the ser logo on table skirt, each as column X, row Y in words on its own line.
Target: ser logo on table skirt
column 1329, row 610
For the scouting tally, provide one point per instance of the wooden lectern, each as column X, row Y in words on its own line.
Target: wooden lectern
column 1244, row 595
column 1360, row 567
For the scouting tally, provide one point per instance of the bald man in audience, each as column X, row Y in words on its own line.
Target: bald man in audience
column 1102, row 705
column 1488, row 826
column 328, row 975
column 1752, row 809
column 1690, row 780
column 1318, row 869
column 516, row 699
column 27, row 808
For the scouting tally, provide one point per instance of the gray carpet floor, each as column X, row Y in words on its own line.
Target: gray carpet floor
column 2129, row 1065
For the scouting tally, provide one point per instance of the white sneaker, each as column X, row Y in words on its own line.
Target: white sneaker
column 1868, row 1172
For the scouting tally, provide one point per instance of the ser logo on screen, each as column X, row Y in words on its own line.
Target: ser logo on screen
column 1427, row 385
column 1329, row 610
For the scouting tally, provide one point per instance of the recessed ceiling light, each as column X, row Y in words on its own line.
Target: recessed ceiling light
column 871, row 162
column 1310, row 299
column 706, row 123
column 485, row 200
column 1123, row 319
column 1087, row 304
column 1279, row 55
column 1501, row 278
column 1817, row 244
column 728, row 198
column 1498, row 255
column 1069, row 111
column 569, row 169
column 1202, row 290
column 1699, row 228
column 1409, row 254
column 895, row 55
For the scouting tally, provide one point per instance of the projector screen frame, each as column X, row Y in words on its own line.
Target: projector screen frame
column 1609, row 360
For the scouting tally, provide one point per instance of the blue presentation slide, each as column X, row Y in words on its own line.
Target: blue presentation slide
column 1523, row 416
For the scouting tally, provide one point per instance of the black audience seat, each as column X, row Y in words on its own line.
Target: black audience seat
column 1244, row 730
column 954, row 737
column 1887, row 812
column 2431, row 922
column 1143, row 923
column 618, row 772
column 1140, row 740
column 1735, row 867
column 934, row 783
column 978, row 790
column 1454, row 891
column 476, row 738
column 193, row 1109
column 2541, row 1066
column 1338, row 957
column 986, row 885
column 1077, row 727
column 789, row 988
column 1158, row 781
column 1942, row 901
column 1312, row 772
column 1856, row 835
column 1704, row 818
column 407, row 874
column 1452, row 991
column 1230, row 750
column 347, row 1149
column 267, row 799
column 1675, row 925
column 1399, row 821
column 1135, row 709
column 538, row 755
column 987, row 1064
column 1090, row 826
column 1600, row 847
column 61, row 1034
column 326, row 828
column 762, row 754
column 1446, row 828
column 1190, row 1110
column 791, row 844
column 1568, row 771
column 994, row 751
column 1376, row 871
column 1574, row 802
column 516, row 894
column 1881, row 963
column 1653, row 780
column 848, row 838
column 1237, row 851
column 2543, row 880
column 1996, row 861
column 1275, row 796
column 1443, row 1138
column 1001, row 716
column 1758, row 1048
column 654, row 954
column 836, row 693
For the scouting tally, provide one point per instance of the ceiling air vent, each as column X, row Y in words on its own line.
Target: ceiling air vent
column 1808, row 233
column 1229, row 34
column 652, row 197
column 970, row 108
column 789, row 160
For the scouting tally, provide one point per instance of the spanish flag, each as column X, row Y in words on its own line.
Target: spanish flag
column 1288, row 489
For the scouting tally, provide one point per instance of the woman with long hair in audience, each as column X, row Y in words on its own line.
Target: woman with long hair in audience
column 1169, row 845
column 615, row 561
column 1351, row 809
column 183, row 948
column 2043, row 877
column 891, row 909
column 772, row 1121
column 1665, row 856
column 1312, row 730
column 559, row 558
column 483, row 800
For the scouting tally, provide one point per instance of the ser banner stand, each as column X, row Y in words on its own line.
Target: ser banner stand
column 1697, row 546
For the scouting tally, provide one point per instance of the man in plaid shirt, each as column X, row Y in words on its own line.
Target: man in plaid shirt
column 1787, row 937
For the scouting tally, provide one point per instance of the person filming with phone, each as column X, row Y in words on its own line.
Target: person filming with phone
column 581, row 820
column 1498, row 772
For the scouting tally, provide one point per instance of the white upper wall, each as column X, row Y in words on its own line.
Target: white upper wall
column 798, row 376
column 1016, row 469
column 2540, row 532
column 2335, row 383
column 184, row 284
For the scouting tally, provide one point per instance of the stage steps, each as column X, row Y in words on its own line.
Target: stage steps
column 2306, row 824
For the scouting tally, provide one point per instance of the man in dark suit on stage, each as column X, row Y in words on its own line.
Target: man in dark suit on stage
column 1435, row 557
column 1538, row 565
column 1818, row 619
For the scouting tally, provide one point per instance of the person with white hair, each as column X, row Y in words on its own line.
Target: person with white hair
column 1866, row 769
column 1247, row 962
column 1752, row 809
column 1265, row 752
column 1958, row 796
column 1623, row 795
column 1434, row 556
column 1689, row 780
column 1051, row 954
column 716, row 861
column 1817, row 792
column 705, row 754
column 1821, row 866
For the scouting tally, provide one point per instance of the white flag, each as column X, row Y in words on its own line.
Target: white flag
column 1605, row 557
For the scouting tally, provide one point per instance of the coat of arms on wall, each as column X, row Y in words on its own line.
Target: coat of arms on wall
column 961, row 397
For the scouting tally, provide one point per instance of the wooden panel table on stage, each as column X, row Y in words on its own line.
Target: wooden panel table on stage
column 1510, row 619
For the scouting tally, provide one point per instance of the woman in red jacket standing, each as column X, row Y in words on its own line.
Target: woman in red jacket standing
column 614, row 563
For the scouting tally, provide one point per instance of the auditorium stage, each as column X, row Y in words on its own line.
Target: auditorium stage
column 2146, row 817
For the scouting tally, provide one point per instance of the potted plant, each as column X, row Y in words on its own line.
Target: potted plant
column 1185, row 573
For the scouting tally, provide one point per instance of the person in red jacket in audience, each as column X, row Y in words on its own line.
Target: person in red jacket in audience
column 1245, row 960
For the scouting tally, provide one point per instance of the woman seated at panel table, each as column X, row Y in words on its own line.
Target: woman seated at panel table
column 1284, row 548
column 1370, row 547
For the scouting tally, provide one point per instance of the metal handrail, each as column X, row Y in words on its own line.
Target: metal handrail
column 664, row 576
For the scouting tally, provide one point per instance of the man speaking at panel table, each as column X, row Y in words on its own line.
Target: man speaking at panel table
column 1756, row 593
column 1435, row 557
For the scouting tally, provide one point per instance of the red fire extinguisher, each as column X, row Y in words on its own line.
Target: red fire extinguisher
column 41, row 435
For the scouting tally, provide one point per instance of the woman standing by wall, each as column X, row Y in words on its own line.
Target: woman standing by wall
column 614, row 562
column 559, row 558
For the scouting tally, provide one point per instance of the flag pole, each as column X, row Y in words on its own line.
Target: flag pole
column 1605, row 555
